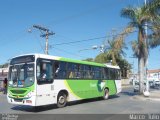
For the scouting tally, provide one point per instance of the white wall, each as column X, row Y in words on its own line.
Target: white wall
column 154, row 75
column 4, row 70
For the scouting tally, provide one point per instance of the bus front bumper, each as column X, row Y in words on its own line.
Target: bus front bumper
column 22, row 101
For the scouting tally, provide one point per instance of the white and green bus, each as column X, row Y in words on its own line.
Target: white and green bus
column 38, row 79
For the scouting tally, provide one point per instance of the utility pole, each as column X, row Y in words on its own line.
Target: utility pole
column 46, row 35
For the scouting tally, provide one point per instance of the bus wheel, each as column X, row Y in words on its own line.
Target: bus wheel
column 61, row 100
column 106, row 94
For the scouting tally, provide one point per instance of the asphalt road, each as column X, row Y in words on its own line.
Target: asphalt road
column 124, row 103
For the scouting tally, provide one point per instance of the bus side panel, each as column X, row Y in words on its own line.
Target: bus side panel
column 97, row 88
column 45, row 94
column 79, row 88
column 118, row 85
column 84, row 89
column 112, row 87
column 48, row 93
column 60, row 85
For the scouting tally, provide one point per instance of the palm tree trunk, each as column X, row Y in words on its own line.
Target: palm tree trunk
column 141, row 60
column 113, row 60
column 141, row 73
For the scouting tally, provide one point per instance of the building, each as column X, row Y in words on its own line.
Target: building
column 154, row 74
column 3, row 72
column 3, row 75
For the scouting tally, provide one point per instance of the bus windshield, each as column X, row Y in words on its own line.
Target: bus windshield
column 21, row 75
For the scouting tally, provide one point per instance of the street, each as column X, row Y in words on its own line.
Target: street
column 124, row 103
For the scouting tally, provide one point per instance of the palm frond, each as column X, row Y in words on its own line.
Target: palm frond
column 154, row 40
column 135, row 48
column 128, row 12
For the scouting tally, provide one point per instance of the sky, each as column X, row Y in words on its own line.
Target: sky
column 70, row 20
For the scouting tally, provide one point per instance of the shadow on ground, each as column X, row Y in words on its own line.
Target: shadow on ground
column 128, row 93
column 53, row 106
column 34, row 109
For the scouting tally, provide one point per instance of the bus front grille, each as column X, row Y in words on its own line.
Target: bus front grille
column 18, row 91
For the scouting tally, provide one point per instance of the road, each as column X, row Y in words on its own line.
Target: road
column 124, row 103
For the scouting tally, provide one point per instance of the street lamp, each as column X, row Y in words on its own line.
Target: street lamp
column 94, row 48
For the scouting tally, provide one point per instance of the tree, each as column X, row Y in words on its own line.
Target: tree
column 89, row 60
column 138, row 17
column 102, row 58
column 122, row 63
column 115, row 47
column 124, row 66
column 4, row 65
column 154, row 37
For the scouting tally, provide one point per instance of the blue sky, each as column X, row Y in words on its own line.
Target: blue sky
column 71, row 20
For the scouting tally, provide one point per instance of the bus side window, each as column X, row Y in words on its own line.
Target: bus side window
column 44, row 72
column 118, row 74
column 77, row 72
column 60, row 70
column 88, row 72
column 71, row 74
column 38, row 71
column 56, row 69
column 112, row 74
column 70, row 70
column 106, row 72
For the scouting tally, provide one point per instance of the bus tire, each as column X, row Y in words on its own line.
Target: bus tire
column 61, row 100
column 106, row 94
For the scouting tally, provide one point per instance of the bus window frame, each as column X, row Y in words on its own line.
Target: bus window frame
column 60, row 63
column 44, row 82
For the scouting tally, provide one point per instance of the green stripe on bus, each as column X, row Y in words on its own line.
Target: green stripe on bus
column 112, row 87
column 81, row 62
column 87, row 88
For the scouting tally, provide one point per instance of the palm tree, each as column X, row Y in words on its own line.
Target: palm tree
column 154, row 9
column 154, row 38
column 113, row 51
column 138, row 16
column 115, row 46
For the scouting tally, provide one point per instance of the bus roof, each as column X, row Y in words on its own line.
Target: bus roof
column 38, row 55
column 69, row 60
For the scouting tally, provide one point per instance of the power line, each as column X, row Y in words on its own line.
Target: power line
column 46, row 35
column 72, row 42
column 40, row 43
column 70, row 53
column 90, row 39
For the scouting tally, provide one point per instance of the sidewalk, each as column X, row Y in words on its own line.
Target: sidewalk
column 154, row 96
column 1, row 91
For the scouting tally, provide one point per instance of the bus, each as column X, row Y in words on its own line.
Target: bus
column 39, row 79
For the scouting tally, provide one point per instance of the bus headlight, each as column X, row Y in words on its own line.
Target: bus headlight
column 28, row 95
